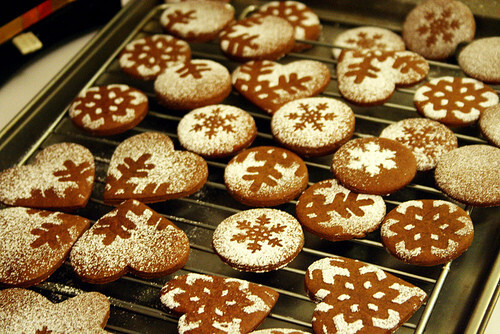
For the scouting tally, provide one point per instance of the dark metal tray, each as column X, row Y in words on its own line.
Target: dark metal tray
column 460, row 292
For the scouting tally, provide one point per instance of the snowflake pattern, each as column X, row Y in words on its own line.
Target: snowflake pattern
column 371, row 158
column 213, row 122
column 311, row 115
column 257, row 233
column 194, row 69
column 437, row 25
column 178, row 17
column 363, row 41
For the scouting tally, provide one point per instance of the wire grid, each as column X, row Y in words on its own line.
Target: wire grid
column 135, row 301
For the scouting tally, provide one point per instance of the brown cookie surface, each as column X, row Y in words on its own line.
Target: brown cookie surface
column 335, row 213
column 257, row 37
column 196, row 21
column 434, row 28
column 108, row 110
column 489, row 123
column 34, row 243
column 427, row 139
column 356, row 297
column 214, row 304
column 471, row 175
column 313, row 126
column 216, row 131
column 265, row 176
column 258, row 240
column 377, row 166
column 131, row 238
column 481, row 59
column 279, row 331
column 193, row 84
column 454, row 101
column 148, row 57
column 427, row 232
column 25, row 311
column 61, row 177
column 270, row 85
column 147, row 168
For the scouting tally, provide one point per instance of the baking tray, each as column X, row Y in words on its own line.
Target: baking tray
column 461, row 293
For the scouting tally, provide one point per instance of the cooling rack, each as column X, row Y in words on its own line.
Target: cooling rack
column 460, row 292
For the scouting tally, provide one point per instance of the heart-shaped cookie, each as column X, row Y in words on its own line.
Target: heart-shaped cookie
column 61, row 177
column 146, row 167
column 131, row 238
column 34, row 243
column 214, row 304
column 25, row 311
column 355, row 297
column 369, row 77
column 270, row 85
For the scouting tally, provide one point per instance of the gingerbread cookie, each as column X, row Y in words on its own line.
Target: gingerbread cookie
column 313, row 126
column 216, row 131
column 371, row 38
column 279, row 331
column 148, row 57
column 335, row 213
column 454, row 101
column 25, row 311
column 34, row 243
column 377, row 166
column 108, row 110
column 258, row 240
column 471, row 175
column 305, row 22
column 196, row 21
column 214, row 304
column 370, row 77
column 257, row 37
column 193, row 84
column 427, row 139
column 146, row 167
column 265, row 176
column 356, row 297
column 489, row 123
column 427, row 232
column 61, row 177
column 270, row 85
column 481, row 59
column 434, row 28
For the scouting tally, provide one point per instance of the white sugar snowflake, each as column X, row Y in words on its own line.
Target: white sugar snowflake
column 371, row 158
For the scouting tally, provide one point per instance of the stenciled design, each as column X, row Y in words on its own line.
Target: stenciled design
column 371, row 158
column 194, row 69
column 257, row 233
column 311, row 116
column 239, row 37
column 345, row 206
column 363, row 41
column 55, row 235
column 179, row 16
column 213, row 122
column 440, row 24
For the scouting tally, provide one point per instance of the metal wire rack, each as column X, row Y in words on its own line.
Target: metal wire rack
column 135, row 302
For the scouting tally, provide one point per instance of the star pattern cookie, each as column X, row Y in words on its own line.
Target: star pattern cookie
column 335, row 213
column 131, row 238
column 454, row 101
column 355, row 297
column 427, row 232
column 270, row 85
column 147, row 57
column 265, row 176
column 489, row 123
column 147, row 168
column 258, row 240
column 61, row 177
column 213, row 304
column 427, row 139
column 481, row 59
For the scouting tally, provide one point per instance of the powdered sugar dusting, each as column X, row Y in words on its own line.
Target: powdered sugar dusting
column 490, row 124
column 481, row 59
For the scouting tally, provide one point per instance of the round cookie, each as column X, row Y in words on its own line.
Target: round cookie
column 489, row 123
column 265, row 176
column 313, row 126
column 108, row 110
column 372, row 38
column 434, row 28
column 427, row 232
column 257, row 38
column 305, row 22
column 471, row 175
column 196, row 21
column 481, row 59
column 427, row 139
column 377, row 166
column 454, row 101
column 258, row 240
column 216, row 131
column 147, row 57
column 193, row 84
column 335, row 213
